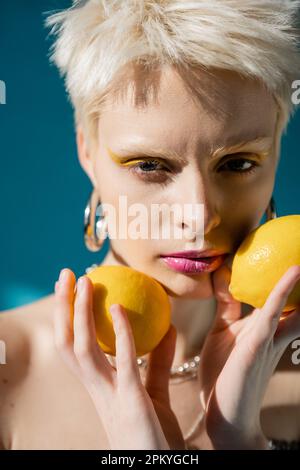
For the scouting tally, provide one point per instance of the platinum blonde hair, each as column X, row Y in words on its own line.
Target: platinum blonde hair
column 104, row 46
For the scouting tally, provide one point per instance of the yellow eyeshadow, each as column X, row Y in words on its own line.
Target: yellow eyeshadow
column 116, row 158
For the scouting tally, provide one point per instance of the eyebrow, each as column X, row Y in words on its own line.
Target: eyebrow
column 258, row 144
column 134, row 150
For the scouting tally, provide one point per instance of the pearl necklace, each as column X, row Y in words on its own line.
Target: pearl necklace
column 186, row 371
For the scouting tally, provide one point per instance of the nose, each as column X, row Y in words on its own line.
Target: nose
column 202, row 213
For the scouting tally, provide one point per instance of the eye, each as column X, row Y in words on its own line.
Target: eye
column 149, row 166
column 150, row 170
column 239, row 165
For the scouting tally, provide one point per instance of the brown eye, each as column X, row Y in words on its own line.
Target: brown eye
column 239, row 165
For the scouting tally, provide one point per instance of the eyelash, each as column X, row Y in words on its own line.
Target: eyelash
column 250, row 170
column 154, row 172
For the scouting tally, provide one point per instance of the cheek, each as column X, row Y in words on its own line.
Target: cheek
column 127, row 194
column 260, row 193
column 115, row 182
column 246, row 209
column 250, row 193
column 128, row 207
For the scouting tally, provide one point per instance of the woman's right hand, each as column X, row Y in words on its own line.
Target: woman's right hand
column 133, row 416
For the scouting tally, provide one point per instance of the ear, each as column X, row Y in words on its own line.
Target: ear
column 84, row 155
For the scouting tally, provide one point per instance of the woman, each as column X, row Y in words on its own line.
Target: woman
column 175, row 102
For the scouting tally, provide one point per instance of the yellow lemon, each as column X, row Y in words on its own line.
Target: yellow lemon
column 145, row 300
column 262, row 259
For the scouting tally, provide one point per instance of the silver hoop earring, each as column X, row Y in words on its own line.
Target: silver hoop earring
column 95, row 223
column 271, row 210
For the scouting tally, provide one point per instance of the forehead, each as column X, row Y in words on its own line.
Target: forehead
column 224, row 105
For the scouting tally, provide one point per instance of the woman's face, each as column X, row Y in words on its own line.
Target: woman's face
column 228, row 158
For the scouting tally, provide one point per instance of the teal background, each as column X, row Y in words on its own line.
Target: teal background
column 43, row 188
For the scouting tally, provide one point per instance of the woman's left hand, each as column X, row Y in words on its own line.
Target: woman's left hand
column 238, row 359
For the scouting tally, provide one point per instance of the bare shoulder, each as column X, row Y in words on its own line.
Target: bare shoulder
column 19, row 329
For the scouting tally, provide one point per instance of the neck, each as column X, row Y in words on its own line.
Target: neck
column 192, row 319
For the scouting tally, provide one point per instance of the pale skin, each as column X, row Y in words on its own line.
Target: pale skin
column 55, row 374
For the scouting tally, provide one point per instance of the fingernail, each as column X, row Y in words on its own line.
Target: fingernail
column 63, row 275
column 112, row 310
column 80, row 284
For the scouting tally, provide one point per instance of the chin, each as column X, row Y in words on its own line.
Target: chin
column 189, row 287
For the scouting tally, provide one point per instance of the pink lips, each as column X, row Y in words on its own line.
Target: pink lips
column 188, row 265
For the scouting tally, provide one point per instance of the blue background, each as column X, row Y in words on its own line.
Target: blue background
column 43, row 188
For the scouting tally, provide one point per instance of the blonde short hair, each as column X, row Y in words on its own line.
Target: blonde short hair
column 103, row 46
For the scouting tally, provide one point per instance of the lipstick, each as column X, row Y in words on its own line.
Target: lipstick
column 183, row 262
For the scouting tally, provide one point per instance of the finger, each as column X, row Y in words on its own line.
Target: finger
column 91, row 358
column 159, row 365
column 228, row 309
column 276, row 301
column 288, row 330
column 62, row 316
column 128, row 374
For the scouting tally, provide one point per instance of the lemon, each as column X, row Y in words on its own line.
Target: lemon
column 262, row 259
column 145, row 300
